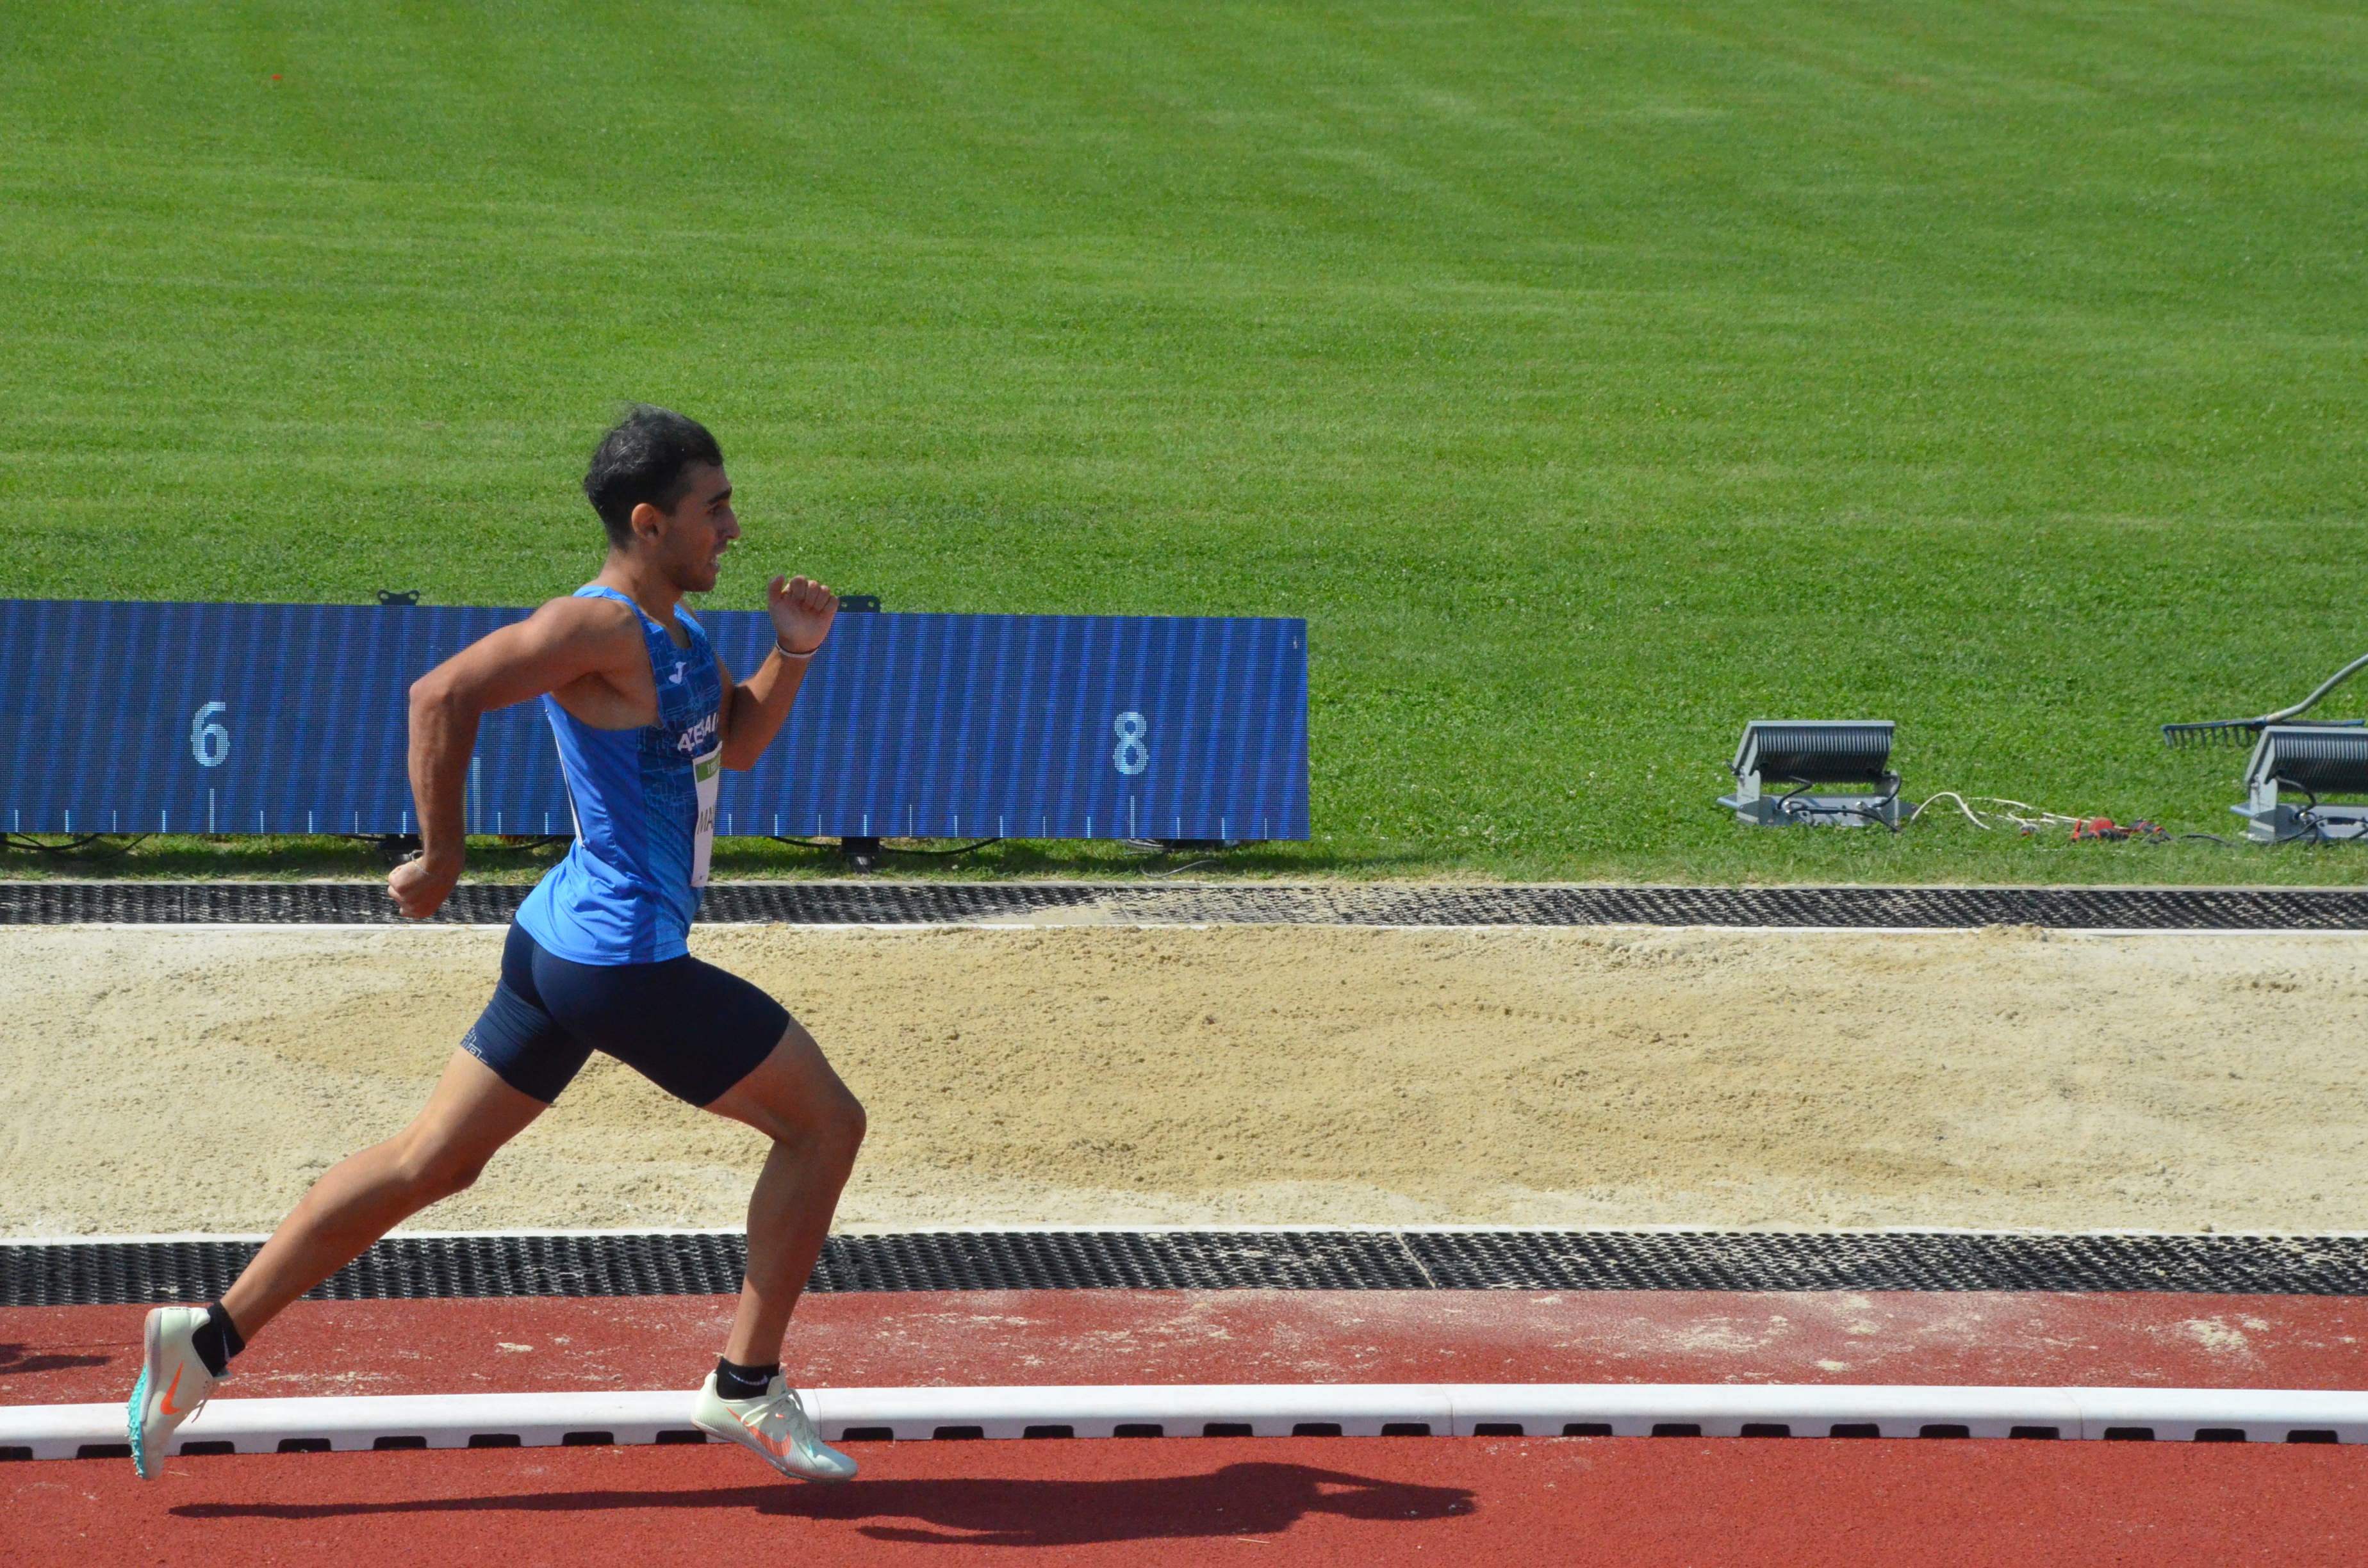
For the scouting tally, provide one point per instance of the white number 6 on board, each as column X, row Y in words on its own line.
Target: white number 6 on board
column 209, row 742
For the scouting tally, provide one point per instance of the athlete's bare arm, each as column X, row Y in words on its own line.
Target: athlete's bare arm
column 802, row 611
column 590, row 652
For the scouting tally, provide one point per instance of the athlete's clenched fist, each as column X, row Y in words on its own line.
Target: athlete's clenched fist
column 802, row 611
column 420, row 890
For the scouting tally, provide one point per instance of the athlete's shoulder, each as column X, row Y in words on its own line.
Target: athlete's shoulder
column 603, row 629
column 589, row 612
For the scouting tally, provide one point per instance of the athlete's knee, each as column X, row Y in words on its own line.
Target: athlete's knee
column 443, row 1180
column 849, row 1122
column 433, row 1173
column 837, row 1122
column 831, row 1123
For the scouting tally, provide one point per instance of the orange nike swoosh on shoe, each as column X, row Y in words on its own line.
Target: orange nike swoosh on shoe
column 176, row 1383
column 770, row 1445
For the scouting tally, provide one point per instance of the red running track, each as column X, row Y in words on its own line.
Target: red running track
column 60, row 1355
column 1370, row 1501
column 1638, row 1502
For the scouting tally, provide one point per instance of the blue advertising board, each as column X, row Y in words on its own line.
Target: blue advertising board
column 208, row 718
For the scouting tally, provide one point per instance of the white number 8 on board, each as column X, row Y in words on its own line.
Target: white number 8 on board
column 210, row 744
column 1131, row 755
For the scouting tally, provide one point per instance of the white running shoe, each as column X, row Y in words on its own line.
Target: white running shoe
column 774, row 1423
column 174, row 1385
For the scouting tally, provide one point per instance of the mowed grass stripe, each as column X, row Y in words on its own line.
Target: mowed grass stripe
column 1592, row 376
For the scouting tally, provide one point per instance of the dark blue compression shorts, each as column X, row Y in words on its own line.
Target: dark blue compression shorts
column 687, row 1026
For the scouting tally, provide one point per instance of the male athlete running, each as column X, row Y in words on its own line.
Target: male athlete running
column 644, row 712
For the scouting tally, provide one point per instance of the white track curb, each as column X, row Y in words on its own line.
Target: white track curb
column 1264, row 1410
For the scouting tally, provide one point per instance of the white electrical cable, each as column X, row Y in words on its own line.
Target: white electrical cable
column 2012, row 810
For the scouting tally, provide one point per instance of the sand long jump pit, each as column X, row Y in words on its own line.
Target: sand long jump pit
column 180, row 1078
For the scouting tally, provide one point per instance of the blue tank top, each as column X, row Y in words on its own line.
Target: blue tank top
column 645, row 805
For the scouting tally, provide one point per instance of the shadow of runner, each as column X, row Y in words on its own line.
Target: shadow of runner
column 1238, row 1499
column 14, row 1359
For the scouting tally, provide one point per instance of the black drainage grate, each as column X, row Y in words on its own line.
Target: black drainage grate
column 909, row 903
column 1860, row 1260
column 95, row 1273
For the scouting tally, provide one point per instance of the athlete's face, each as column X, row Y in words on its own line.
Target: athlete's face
column 692, row 537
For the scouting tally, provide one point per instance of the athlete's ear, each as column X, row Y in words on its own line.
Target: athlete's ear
column 647, row 522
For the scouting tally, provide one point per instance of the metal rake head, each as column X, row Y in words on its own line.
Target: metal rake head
column 2218, row 732
column 2244, row 731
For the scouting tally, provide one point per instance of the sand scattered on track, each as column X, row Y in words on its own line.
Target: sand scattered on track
column 178, row 1079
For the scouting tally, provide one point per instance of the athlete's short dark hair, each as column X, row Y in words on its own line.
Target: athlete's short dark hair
column 645, row 456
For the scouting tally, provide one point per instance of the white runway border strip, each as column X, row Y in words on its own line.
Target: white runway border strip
column 1263, row 1410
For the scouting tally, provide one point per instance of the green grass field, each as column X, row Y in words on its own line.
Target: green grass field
column 1593, row 377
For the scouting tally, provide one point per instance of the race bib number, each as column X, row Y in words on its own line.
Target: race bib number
column 707, row 773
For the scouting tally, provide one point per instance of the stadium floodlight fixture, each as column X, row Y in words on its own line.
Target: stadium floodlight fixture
column 2310, row 760
column 1790, row 756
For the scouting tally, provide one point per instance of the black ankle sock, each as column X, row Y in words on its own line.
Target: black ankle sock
column 216, row 1340
column 736, row 1382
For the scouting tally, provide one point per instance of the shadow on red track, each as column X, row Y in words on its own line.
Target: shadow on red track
column 14, row 1359
column 1238, row 1499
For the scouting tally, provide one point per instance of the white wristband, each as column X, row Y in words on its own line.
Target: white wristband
column 784, row 653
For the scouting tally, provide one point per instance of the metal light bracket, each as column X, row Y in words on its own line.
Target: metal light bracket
column 1801, row 752
column 2312, row 760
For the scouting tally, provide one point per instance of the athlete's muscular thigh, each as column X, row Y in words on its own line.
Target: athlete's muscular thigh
column 468, row 1118
column 794, row 1093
